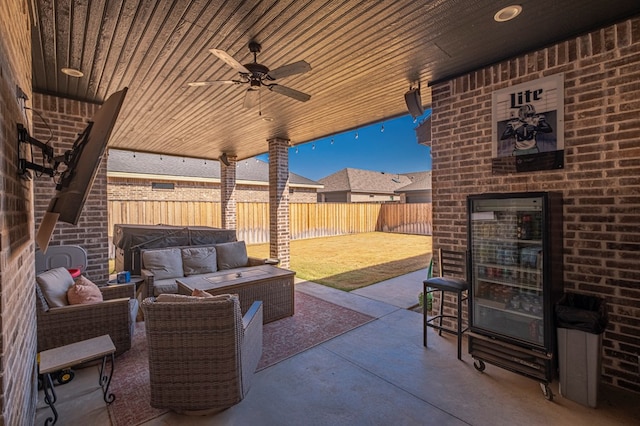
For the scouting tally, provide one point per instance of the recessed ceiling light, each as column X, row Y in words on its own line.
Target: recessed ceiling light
column 267, row 118
column 507, row 13
column 72, row 72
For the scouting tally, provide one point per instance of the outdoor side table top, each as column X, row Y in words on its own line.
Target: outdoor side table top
column 67, row 356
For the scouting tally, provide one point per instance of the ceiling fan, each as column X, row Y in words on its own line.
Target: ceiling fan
column 258, row 75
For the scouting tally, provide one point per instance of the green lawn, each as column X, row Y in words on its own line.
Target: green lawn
column 348, row 262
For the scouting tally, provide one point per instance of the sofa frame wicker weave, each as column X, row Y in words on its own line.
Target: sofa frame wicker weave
column 202, row 351
column 61, row 326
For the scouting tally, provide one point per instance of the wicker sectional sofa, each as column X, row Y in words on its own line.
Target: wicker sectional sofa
column 162, row 267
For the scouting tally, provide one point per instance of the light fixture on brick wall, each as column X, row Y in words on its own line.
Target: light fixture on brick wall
column 225, row 159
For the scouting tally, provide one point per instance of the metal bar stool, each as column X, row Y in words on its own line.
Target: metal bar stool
column 452, row 269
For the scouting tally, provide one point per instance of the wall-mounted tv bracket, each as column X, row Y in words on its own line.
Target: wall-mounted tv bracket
column 69, row 158
column 47, row 154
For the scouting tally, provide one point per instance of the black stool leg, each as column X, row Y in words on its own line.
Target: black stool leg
column 424, row 314
column 441, row 311
column 460, row 325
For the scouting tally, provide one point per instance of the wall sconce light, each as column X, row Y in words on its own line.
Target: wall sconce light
column 225, row 159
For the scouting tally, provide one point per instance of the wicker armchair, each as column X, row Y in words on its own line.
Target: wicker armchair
column 202, row 353
column 69, row 324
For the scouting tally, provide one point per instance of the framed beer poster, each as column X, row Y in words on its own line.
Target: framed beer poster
column 528, row 126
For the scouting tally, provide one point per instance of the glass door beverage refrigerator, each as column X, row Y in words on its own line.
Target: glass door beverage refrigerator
column 515, row 245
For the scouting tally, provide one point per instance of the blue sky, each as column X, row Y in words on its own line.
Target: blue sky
column 395, row 150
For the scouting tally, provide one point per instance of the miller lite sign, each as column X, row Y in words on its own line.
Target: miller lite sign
column 528, row 125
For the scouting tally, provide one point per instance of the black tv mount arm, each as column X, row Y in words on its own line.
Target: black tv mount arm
column 69, row 158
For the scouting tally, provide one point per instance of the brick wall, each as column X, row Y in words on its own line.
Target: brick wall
column 65, row 118
column 140, row 189
column 18, row 393
column 600, row 181
column 119, row 188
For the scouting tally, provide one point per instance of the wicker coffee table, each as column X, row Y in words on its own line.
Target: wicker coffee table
column 269, row 284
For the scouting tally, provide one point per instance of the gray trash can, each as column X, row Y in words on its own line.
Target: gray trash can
column 581, row 320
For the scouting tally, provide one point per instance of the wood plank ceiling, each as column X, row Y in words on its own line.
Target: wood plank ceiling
column 364, row 56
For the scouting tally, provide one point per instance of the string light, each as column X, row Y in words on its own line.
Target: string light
column 296, row 149
column 313, row 146
column 382, row 128
column 357, row 136
column 331, row 141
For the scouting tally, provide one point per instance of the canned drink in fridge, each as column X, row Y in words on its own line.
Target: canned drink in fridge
column 534, row 330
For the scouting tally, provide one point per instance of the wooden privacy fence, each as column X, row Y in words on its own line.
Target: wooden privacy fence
column 306, row 220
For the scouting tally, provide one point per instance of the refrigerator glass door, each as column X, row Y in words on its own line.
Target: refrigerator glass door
column 506, row 252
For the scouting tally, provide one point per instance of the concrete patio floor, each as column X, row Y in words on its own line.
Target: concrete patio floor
column 376, row 374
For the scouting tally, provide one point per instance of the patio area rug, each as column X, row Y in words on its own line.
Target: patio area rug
column 315, row 321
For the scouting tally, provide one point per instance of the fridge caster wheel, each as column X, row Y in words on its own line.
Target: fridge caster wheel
column 546, row 391
column 479, row 365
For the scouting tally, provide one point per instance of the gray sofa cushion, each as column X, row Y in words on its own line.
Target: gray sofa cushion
column 232, row 255
column 54, row 285
column 168, row 285
column 199, row 260
column 163, row 263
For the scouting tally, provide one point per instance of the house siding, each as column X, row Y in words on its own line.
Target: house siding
column 600, row 181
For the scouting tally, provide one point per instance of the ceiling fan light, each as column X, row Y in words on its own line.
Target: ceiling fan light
column 507, row 13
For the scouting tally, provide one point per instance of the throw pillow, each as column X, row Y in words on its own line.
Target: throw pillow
column 163, row 263
column 54, row 284
column 199, row 260
column 232, row 255
column 200, row 293
column 83, row 292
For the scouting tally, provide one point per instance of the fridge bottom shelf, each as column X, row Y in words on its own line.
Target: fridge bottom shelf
column 529, row 363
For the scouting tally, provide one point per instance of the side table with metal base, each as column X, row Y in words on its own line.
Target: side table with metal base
column 56, row 359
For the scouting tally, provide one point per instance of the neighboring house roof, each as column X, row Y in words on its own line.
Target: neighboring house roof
column 367, row 181
column 148, row 166
column 421, row 181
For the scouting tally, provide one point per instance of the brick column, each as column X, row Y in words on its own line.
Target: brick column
column 228, row 193
column 279, row 234
column 65, row 119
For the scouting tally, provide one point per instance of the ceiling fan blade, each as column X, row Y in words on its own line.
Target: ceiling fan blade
column 251, row 98
column 212, row 82
column 290, row 69
column 287, row 91
column 221, row 54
